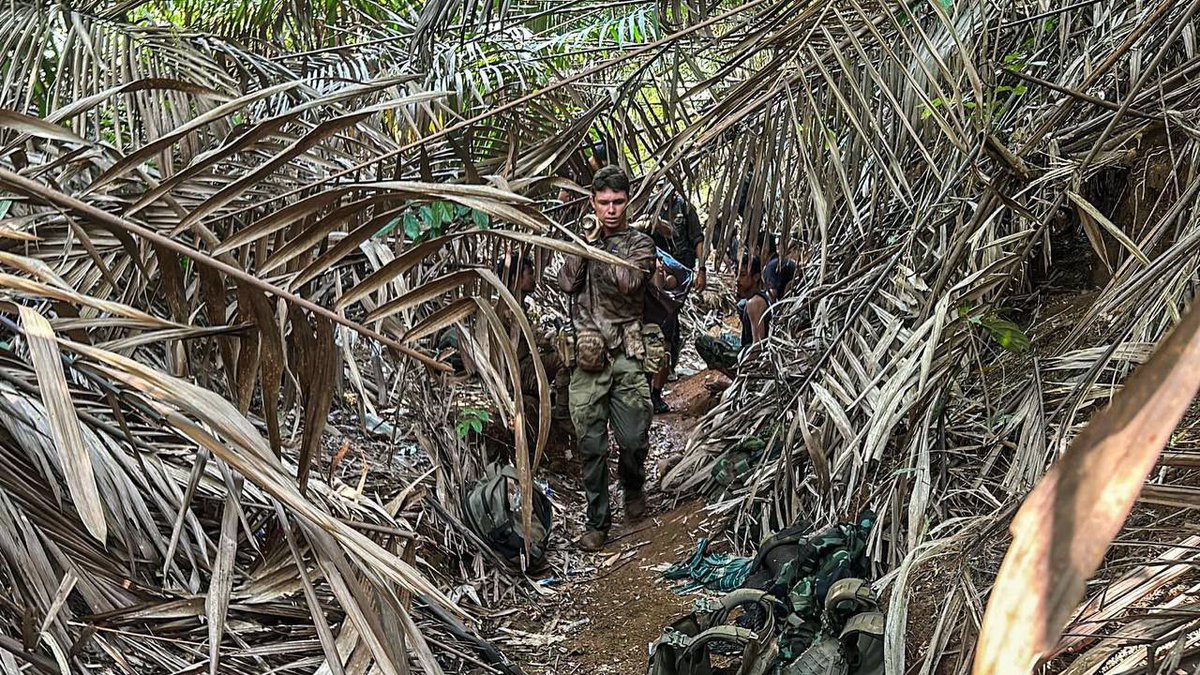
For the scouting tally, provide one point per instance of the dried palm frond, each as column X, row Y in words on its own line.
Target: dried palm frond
column 149, row 571
column 935, row 167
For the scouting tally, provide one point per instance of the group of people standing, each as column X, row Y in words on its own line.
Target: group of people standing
column 625, row 336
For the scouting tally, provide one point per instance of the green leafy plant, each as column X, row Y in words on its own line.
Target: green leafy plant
column 471, row 420
column 431, row 220
column 1004, row 332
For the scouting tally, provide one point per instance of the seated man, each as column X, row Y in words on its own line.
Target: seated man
column 754, row 301
column 779, row 272
column 722, row 354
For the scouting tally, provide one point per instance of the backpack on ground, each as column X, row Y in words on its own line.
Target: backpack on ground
column 684, row 647
column 851, row 642
column 493, row 511
column 805, row 594
column 720, row 353
column 736, row 463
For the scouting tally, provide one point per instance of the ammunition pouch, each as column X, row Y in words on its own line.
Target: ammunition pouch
column 654, row 346
column 591, row 352
column 633, row 342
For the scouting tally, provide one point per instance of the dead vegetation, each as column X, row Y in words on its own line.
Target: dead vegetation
column 223, row 221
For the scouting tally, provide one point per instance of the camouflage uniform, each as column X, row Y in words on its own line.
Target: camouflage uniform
column 619, row 394
column 557, row 377
column 720, row 353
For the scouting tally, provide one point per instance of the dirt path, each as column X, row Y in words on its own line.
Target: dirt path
column 628, row 603
column 606, row 608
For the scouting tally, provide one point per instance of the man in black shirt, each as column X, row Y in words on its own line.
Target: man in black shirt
column 778, row 273
column 678, row 234
column 599, row 158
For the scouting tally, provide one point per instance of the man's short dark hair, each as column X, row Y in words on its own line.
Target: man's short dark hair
column 510, row 266
column 751, row 264
column 610, row 178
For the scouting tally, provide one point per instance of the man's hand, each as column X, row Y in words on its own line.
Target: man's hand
column 663, row 277
column 701, row 280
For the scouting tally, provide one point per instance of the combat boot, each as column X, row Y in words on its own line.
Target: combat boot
column 635, row 505
column 593, row 540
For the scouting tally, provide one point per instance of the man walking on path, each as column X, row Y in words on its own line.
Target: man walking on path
column 609, row 385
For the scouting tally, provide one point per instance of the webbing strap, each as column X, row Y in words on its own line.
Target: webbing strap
column 746, row 596
column 741, row 597
column 742, row 636
column 870, row 623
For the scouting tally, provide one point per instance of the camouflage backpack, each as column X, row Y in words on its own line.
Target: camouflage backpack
column 720, row 353
column 851, row 638
column 800, row 567
column 849, row 642
column 803, row 592
column 736, row 463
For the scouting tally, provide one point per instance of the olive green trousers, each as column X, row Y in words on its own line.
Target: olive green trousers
column 618, row 396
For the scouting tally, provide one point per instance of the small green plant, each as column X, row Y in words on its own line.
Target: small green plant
column 471, row 420
column 993, row 107
column 1004, row 332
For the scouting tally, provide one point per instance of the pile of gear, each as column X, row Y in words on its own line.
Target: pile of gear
column 803, row 608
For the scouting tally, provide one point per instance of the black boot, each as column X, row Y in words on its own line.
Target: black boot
column 660, row 406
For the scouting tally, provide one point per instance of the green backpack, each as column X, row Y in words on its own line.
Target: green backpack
column 720, row 353
column 851, row 642
column 683, row 648
column 493, row 510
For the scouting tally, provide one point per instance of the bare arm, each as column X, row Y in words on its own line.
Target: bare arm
column 663, row 279
column 756, row 308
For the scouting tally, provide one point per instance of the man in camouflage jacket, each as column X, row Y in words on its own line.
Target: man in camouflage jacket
column 609, row 384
